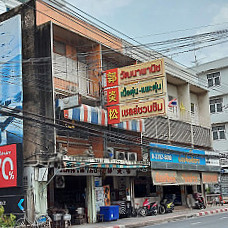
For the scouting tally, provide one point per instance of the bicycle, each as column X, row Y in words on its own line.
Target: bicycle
column 40, row 222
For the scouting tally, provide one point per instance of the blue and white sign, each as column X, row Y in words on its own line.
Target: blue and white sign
column 11, row 95
column 176, row 158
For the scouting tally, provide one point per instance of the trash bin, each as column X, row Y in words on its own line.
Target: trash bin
column 110, row 212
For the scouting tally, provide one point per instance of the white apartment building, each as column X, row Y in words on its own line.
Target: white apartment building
column 215, row 75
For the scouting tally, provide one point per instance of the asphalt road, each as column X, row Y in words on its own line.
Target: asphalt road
column 209, row 221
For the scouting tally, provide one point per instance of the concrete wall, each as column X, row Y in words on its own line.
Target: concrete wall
column 47, row 13
column 184, row 99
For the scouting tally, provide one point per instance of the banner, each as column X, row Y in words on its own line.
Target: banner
column 142, row 71
column 11, row 95
column 210, row 178
column 162, row 177
column 8, row 166
column 136, row 91
column 120, row 113
column 177, row 158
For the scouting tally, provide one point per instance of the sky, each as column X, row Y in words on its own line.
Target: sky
column 149, row 21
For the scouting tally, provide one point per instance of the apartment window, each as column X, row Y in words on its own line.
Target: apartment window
column 192, row 108
column 216, row 105
column 59, row 48
column 213, row 79
column 218, row 132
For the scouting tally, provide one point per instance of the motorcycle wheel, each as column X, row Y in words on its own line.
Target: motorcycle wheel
column 142, row 212
column 155, row 212
column 133, row 212
column 161, row 209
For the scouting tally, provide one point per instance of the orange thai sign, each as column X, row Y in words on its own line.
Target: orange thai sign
column 210, row 178
column 142, row 71
column 162, row 177
column 120, row 113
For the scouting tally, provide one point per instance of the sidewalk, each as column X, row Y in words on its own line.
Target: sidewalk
column 151, row 220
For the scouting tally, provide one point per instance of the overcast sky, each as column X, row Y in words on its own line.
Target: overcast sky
column 157, row 20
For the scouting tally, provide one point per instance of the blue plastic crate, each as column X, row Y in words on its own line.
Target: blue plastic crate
column 110, row 212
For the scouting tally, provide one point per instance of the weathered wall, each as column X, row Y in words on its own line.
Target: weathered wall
column 48, row 13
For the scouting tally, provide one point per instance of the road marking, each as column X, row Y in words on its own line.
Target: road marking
column 223, row 218
column 194, row 223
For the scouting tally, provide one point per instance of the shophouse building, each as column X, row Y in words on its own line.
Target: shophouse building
column 71, row 155
column 213, row 74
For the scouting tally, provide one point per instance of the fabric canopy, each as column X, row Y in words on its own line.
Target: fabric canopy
column 95, row 115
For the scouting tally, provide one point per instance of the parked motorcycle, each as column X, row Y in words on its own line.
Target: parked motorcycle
column 167, row 204
column 149, row 208
column 199, row 201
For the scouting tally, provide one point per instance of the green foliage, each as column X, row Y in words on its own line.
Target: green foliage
column 6, row 221
column 208, row 190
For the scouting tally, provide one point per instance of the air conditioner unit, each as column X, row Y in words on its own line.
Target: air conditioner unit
column 132, row 156
column 120, row 155
column 109, row 153
column 59, row 182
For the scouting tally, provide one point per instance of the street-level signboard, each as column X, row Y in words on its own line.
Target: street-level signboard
column 12, row 204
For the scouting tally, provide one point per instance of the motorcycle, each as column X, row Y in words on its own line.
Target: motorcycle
column 167, row 205
column 149, row 208
column 199, row 201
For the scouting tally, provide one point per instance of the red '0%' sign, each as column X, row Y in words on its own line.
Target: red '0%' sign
column 8, row 166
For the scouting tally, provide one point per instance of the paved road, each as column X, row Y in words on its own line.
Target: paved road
column 210, row 221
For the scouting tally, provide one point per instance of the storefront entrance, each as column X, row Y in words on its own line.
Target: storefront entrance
column 70, row 195
column 173, row 189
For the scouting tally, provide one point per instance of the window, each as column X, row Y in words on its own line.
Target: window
column 213, row 79
column 216, row 105
column 218, row 132
column 192, row 108
column 59, row 48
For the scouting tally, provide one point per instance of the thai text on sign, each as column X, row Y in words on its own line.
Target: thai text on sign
column 141, row 90
column 141, row 71
column 120, row 113
column 127, row 93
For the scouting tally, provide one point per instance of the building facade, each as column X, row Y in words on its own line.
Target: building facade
column 70, row 152
column 213, row 74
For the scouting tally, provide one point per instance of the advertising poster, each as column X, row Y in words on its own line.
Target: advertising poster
column 8, row 166
column 99, row 192
column 11, row 96
column 106, row 195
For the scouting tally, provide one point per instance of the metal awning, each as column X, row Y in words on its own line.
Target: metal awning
column 75, row 164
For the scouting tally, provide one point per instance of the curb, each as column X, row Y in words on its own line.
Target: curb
column 180, row 217
column 212, row 212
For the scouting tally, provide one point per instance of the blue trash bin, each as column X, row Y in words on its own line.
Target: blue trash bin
column 110, row 212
